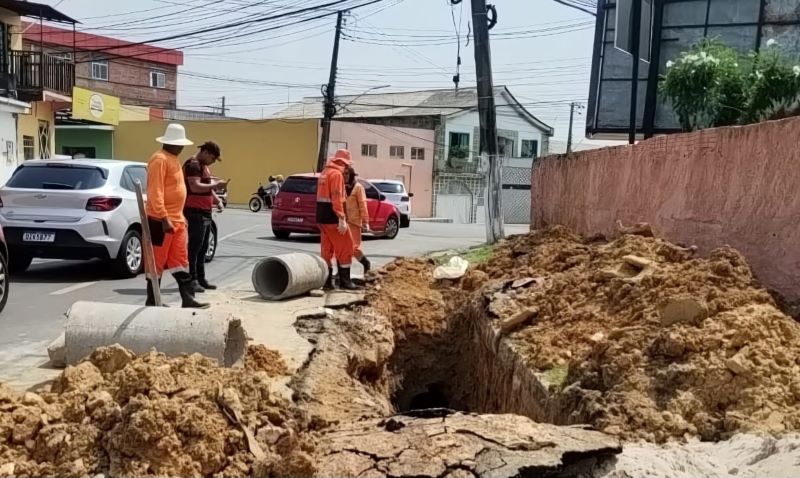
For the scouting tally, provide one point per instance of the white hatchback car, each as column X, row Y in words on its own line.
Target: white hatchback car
column 74, row 209
column 395, row 192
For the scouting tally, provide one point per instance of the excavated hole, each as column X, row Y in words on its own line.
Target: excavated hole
column 466, row 368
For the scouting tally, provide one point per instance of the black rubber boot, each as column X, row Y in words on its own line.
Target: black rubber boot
column 151, row 296
column 196, row 288
column 345, row 283
column 366, row 263
column 329, row 281
column 188, row 301
column 205, row 285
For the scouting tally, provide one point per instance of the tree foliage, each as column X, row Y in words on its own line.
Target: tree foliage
column 711, row 84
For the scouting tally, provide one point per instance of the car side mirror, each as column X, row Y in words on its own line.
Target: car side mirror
column 411, row 195
column 382, row 197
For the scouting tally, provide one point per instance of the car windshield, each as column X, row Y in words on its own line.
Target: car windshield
column 57, row 177
column 390, row 188
column 300, row 186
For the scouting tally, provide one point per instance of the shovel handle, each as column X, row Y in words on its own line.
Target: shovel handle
column 147, row 246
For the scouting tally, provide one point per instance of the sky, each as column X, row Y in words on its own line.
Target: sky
column 541, row 50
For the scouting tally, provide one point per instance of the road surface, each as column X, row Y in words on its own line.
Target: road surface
column 39, row 298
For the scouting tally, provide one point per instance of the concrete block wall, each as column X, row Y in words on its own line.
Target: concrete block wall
column 736, row 186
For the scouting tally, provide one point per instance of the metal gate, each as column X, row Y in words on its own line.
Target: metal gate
column 457, row 207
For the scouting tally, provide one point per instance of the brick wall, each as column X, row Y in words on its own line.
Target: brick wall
column 736, row 186
column 128, row 79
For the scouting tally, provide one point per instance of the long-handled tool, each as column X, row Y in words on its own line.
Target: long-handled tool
column 147, row 246
column 174, row 331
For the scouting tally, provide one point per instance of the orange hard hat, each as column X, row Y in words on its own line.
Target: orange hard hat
column 343, row 155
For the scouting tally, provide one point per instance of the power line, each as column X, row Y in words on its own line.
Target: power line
column 239, row 23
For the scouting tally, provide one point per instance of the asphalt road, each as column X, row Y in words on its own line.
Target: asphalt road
column 40, row 297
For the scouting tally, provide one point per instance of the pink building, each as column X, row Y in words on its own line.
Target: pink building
column 388, row 152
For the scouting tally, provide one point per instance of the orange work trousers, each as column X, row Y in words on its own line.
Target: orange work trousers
column 336, row 246
column 355, row 233
column 173, row 254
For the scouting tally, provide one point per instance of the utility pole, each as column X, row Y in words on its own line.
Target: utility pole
column 223, row 106
column 572, row 107
column 328, row 92
column 636, row 35
column 488, row 118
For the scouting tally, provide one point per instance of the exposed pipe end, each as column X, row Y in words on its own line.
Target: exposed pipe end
column 271, row 278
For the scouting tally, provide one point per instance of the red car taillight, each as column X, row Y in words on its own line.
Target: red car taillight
column 103, row 203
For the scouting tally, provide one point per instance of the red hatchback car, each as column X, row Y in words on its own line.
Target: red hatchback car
column 295, row 209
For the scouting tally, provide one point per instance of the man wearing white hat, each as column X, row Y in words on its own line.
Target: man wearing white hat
column 166, row 196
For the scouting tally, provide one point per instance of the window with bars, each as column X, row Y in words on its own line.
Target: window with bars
column 369, row 150
column 44, row 139
column 100, row 70
column 397, row 152
column 418, row 154
column 158, row 79
column 530, row 148
column 28, row 150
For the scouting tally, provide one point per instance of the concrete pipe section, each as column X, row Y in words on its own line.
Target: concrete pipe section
column 289, row 275
column 172, row 331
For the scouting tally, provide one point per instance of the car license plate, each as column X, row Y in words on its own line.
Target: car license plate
column 294, row 219
column 39, row 236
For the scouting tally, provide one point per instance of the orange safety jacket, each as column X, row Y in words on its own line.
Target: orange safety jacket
column 166, row 187
column 330, row 192
column 356, row 207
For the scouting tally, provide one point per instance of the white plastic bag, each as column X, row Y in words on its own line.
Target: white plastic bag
column 454, row 269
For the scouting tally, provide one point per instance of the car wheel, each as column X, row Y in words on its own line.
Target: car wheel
column 255, row 204
column 405, row 221
column 130, row 260
column 392, row 228
column 4, row 282
column 212, row 244
column 281, row 234
column 18, row 262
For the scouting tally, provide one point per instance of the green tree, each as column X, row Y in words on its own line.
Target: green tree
column 706, row 85
column 713, row 85
column 774, row 85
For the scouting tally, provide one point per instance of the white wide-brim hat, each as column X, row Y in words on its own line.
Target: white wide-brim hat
column 175, row 136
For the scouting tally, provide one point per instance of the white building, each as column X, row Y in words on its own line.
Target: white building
column 458, row 182
column 9, row 159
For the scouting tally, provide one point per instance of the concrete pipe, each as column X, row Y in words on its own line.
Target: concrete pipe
column 172, row 331
column 289, row 275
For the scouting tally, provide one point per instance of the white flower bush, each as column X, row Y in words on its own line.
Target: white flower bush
column 712, row 84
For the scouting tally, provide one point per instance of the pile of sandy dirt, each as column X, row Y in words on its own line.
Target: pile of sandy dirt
column 407, row 294
column 651, row 342
column 148, row 415
column 261, row 359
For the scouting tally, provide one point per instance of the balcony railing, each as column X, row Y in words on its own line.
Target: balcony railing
column 35, row 72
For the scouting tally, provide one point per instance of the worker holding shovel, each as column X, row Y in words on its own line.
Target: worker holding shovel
column 166, row 197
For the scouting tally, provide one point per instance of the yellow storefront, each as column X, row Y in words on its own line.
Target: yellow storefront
column 251, row 150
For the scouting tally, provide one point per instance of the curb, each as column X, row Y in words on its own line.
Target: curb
column 439, row 220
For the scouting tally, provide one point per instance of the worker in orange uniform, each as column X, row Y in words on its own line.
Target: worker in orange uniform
column 336, row 241
column 357, row 215
column 166, row 196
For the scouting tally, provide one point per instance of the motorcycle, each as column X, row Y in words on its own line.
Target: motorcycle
column 222, row 193
column 259, row 199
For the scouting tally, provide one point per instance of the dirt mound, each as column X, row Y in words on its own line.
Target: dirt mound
column 260, row 358
column 407, row 294
column 149, row 415
column 648, row 341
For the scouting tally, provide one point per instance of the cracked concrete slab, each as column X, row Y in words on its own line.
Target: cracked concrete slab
column 461, row 444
